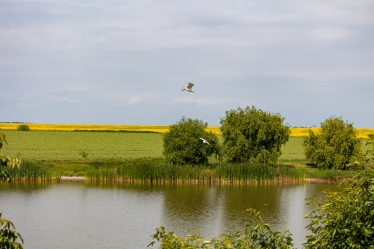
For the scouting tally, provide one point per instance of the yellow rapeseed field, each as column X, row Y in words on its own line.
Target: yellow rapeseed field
column 295, row 132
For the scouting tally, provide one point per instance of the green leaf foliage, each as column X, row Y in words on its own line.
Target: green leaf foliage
column 256, row 234
column 344, row 218
column 7, row 162
column 253, row 134
column 8, row 235
column 183, row 145
column 23, row 127
column 336, row 147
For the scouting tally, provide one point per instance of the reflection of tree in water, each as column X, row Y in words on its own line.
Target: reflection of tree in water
column 190, row 207
column 238, row 198
column 282, row 206
column 216, row 209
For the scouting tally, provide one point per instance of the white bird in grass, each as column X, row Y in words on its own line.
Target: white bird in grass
column 188, row 88
column 204, row 141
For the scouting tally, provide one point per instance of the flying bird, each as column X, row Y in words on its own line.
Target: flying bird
column 188, row 88
column 204, row 141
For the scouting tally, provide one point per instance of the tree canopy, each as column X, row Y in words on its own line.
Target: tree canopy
column 183, row 143
column 253, row 134
column 335, row 147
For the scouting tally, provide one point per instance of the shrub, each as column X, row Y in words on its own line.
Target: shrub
column 23, row 127
column 183, row 143
column 9, row 237
column 336, row 147
column 252, row 134
column 344, row 218
column 256, row 234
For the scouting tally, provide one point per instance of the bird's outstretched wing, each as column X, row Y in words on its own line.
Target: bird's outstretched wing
column 204, row 140
column 190, row 85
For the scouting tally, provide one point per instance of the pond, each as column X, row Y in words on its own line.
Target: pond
column 125, row 215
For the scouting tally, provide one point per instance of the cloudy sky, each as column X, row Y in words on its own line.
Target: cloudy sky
column 125, row 62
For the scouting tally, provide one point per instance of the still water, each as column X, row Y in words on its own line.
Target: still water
column 125, row 215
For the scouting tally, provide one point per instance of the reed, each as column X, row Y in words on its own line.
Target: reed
column 257, row 173
column 151, row 170
column 29, row 171
column 159, row 171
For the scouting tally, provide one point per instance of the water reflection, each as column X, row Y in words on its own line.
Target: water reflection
column 192, row 206
column 124, row 215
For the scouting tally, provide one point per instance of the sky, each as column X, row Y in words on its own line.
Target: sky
column 125, row 62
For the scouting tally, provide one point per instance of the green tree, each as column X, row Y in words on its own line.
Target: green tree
column 183, row 143
column 335, row 147
column 23, row 127
column 253, row 134
column 344, row 218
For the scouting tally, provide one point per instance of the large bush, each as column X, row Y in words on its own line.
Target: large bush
column 344, row 218
column 23, row 127
column 183, row 143
column 335, row 147
column 253, row 134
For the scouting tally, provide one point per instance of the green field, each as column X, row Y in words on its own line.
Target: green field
column 64, row 145
column 60, row 145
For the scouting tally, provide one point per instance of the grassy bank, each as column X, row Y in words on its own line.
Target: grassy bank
column 157, row 170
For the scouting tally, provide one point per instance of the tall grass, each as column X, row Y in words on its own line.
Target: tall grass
column 257, row 173
column 157, row 170
column 160, row 171
column 29, row 171
column 152, row 171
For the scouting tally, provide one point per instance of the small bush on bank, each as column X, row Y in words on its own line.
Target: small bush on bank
column 23, row 127
column 188, row 142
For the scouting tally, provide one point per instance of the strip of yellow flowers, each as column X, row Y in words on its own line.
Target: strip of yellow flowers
column 295, row 132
